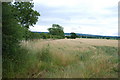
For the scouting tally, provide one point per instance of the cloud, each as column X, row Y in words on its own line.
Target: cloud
column 38, row 28
column 83, row 16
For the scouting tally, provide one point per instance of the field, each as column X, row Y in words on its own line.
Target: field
column 72, row 58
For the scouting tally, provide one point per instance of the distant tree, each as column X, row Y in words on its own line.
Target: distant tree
column 73, row 35
column 44, row 35
column 56, row 30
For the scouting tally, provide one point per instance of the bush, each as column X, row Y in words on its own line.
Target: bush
column 73, row 35
column 16, row 63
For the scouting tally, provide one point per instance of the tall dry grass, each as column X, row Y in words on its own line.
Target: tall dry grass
column 72, row 58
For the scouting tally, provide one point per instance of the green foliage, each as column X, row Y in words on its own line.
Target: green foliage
column 44, row 35
column 34, row 35
column 25, row 14
column 68, row 37
column 12, row 31
column 16, row 63
column 73, row 35
column 12, row 34
column 15, row 59
column 56, row 30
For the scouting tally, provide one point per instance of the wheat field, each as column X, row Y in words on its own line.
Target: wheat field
column 73, row 58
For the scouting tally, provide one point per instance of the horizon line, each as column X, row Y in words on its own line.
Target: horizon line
column 81, row 33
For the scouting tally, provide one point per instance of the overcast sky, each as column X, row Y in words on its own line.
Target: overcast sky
column 99, row 17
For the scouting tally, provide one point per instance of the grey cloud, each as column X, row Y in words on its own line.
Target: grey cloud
column 61, row 12
column 63, row 16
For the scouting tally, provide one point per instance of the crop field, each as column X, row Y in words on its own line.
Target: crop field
column 72, row 58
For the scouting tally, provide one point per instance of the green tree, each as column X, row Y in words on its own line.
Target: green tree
column 56, row 30
column 14, row 57
column 11, row 30
column 25, row 15
column 12, row 33
column 73, row 35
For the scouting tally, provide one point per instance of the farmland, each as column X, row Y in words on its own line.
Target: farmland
column 90, row 50
column 72, row 58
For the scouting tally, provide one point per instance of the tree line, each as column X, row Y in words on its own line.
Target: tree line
column 55, row 32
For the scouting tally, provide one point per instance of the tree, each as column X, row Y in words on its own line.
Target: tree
column 56, row 30
column 14, row 57
column 73, row 35
column 12, row 33
column 11, row 30
column 25, row 15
